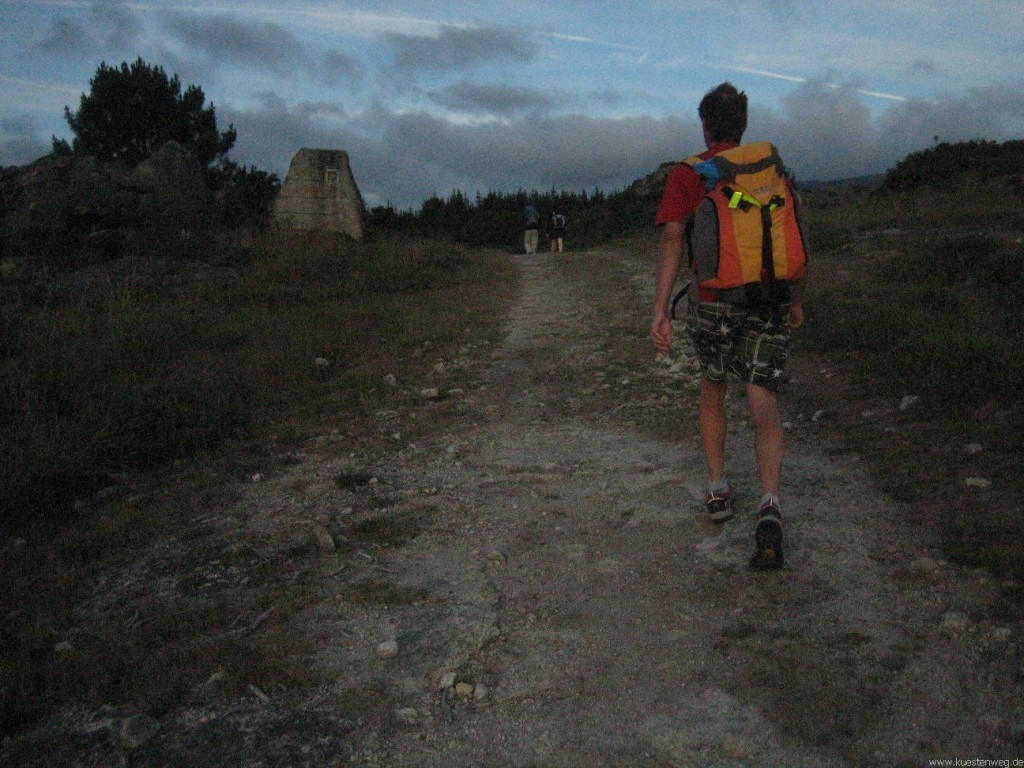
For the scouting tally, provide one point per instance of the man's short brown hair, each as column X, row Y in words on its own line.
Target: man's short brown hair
column 723, row 110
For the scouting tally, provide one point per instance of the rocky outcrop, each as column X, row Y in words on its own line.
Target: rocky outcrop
column 320, row 194
column 80, row 194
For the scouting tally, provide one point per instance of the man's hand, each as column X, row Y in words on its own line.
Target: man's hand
column 661, row 333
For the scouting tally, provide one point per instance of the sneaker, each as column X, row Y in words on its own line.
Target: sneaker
column 719, row 504
column 768, row 536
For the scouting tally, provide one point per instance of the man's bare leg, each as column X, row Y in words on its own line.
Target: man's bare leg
column 713, row 427
column 769, row 448
column 769, row 441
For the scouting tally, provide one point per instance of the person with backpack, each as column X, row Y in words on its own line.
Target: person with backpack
column 531, row 228
column 734, row 209
column 556, row 230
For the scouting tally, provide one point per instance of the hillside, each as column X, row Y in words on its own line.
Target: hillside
column 310, row 502
column 506, row 562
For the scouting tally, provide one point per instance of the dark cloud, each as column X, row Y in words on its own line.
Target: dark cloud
column 269, row 135
column 820, row 129
column 116, row 23
column 405, row 158
column 826, row 132
column 492, row 99
column 20, row 140
column 225, row 39
column 926, row 67
column 995, row 113
column 108, row 26
column 337, row 65
column 823, row 132
column 460, row 48
column 68, row 37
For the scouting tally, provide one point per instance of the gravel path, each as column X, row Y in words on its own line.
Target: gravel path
column 611, row 624
column 529, row 579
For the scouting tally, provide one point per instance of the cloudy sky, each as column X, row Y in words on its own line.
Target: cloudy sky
column 429, row 96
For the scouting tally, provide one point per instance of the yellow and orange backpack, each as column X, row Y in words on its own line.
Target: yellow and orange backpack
column 746, row 231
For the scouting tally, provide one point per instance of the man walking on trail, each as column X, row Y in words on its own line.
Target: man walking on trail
column 735, row 330
column 556, row 230
column 531, row 228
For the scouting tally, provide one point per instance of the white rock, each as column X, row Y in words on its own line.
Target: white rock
column 480, row 692
column 430, row 393
column 973, row 448
column 391, row 381
column 387, row 650
column 924, row 565
column 978, row 482
column 215, row 679
column 818, row 415
column 908, row 401
column 321, row 363
column 1002, row 634
column 407, row 715
column 323, row 538
column 448, row 680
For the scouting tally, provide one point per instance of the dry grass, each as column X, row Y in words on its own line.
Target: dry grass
column 127, row 596
column 927, row 310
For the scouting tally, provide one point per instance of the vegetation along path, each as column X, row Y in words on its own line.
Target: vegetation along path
column 530, row 579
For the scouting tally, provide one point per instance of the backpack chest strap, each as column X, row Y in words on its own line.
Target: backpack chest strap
column 739, row 199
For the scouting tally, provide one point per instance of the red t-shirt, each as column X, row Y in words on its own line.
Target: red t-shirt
column 684, row 190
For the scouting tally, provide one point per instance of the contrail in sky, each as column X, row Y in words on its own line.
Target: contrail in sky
column 793, row 79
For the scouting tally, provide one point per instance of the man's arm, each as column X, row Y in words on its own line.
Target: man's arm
column 796, row 302
column 670, row 258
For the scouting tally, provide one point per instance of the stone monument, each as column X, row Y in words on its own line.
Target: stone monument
column 320, row 194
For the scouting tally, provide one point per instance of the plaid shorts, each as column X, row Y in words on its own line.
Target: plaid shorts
column 745, row 342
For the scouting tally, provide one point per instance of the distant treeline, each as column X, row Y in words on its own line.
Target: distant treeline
column 946, row 165
column 495, row 219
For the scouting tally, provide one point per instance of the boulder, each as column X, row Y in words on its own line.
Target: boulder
column 80, row 194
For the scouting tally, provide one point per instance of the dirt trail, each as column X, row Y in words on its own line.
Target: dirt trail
column 558, row 598
column 613, row 625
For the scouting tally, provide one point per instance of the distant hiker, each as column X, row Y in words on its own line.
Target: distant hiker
column 556, row 230
column 531, row 228
column 749, row 291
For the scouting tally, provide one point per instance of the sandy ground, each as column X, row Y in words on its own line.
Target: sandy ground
column 557, row 597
